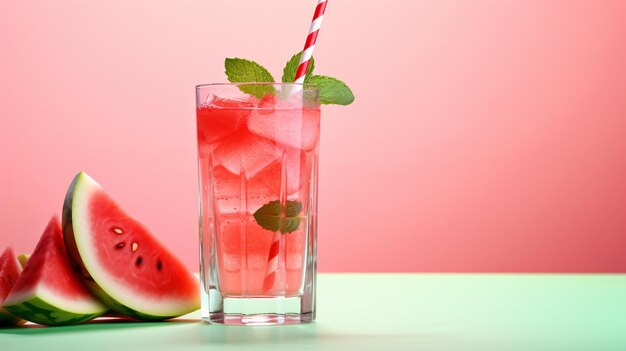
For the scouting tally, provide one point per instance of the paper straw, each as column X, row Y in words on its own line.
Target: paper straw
column 272, row 263
column 309, row 45
column 272, row 259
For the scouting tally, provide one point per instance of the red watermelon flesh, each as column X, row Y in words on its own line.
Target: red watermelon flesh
column 9, row 272
column 48, row 291
column 122, row 262
column 50, row 267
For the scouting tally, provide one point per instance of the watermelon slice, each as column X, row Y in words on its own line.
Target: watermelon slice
column 48, row 291
column 10, row 270
column 120, row 261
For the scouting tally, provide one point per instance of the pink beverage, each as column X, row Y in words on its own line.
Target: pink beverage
column 254, row 153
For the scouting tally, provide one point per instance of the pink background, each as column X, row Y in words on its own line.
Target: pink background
column 485, row 136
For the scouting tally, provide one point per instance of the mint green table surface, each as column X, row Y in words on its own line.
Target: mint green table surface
column 390, row 312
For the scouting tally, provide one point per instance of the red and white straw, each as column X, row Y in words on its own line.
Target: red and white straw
column 272, row 263
column 305, row 59
column 309, row 45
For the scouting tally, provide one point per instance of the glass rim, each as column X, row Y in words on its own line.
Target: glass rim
column 304, row 85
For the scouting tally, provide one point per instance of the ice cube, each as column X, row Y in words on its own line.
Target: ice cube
column 242, row 249
column 225, row 183
column 245, row 152
column 231, row 194
column 220, row 117
column 296, row 166
column 229, row 244
column 298, row 128
column 216, row 101
column 232, row 231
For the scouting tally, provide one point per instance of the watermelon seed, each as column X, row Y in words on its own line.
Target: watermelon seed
column 138, row 262
column 120, row 245
column 159, row 265
column 134, row 247
column 117, row 231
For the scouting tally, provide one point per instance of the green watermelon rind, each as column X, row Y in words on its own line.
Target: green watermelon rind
column 38, row 310
column 121, row 308
column 86, row 268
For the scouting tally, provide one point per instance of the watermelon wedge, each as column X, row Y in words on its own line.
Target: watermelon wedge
column 48, row 291
column 10, row 270
column 120, row 261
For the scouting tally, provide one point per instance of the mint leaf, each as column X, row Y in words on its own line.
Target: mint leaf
column 246, row 71
column 289, row 72
column 332, row 90
column 272, row 216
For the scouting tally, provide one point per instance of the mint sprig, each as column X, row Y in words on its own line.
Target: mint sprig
column 332, row 90
column 274, row 217
column 246, row 71
column 289, row 72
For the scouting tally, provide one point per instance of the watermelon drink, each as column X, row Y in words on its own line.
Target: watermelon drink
column 257, row 160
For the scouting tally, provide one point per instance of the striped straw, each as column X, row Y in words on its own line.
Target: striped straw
column 309, row 45
column 272, row 263
column 272, row 259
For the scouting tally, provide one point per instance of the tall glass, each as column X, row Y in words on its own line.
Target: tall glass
column 258, row 147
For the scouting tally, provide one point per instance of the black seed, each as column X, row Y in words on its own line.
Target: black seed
column 159, row 265
column 120, row 245
column 138, row 262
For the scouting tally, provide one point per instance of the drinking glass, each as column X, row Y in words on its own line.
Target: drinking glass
column 258, row 146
